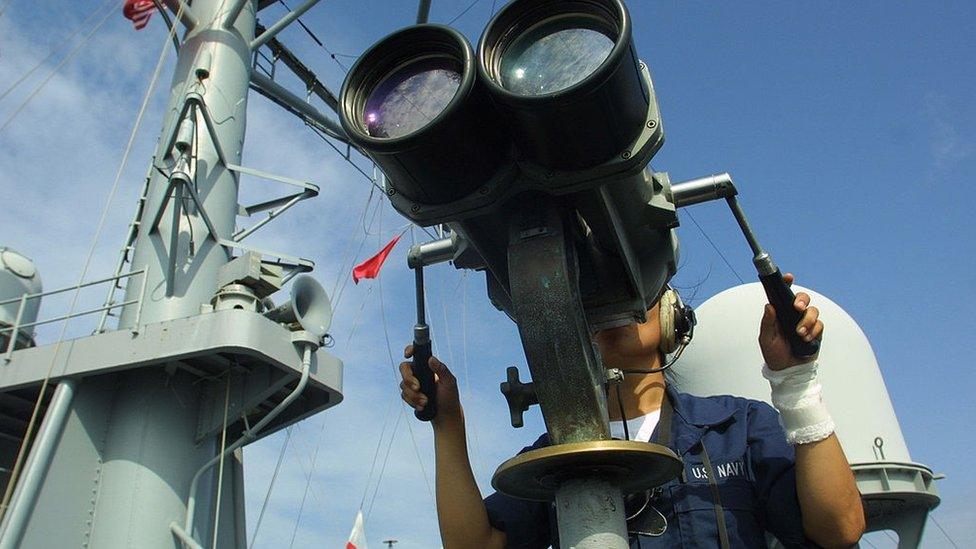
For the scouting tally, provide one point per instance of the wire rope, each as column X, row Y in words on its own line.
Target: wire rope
column 169, row 22
column 464, row 11
column 359, row 314
column 308, row 484
column 715, row 247
column 57, row 48
column 343, row 277
column 389, row 349
column 55, row 70
column 467, row 377
column 220, row 466
column 941, row 529
column 274, row 478
column 386, row 459
column 21, row 453
column 376, row 453
column 317, row 40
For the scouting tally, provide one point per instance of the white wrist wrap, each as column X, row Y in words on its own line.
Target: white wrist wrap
column 796, row 394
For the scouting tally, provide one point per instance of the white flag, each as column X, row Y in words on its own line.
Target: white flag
column 357, row 538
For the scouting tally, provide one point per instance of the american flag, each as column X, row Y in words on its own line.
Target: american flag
column 138, row 11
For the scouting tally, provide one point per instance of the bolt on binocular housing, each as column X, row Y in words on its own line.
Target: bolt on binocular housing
column 556, row 110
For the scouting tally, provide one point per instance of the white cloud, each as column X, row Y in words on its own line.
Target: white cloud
column 949, row 146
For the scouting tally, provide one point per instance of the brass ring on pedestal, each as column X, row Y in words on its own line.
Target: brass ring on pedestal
column 633, row 466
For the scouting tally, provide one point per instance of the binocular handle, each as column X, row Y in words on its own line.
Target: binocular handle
column 421, row 370
column 781, row 297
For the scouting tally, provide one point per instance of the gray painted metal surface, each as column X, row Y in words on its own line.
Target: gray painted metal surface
column 37, row 464
column 246, row 335
column 591, row 515
column 725, row 359
column 149, row 405
column 176, row 242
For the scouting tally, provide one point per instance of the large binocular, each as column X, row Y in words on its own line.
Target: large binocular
column 555, row 108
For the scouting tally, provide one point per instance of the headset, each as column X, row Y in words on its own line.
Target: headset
column 677, row 328
column 677, row 322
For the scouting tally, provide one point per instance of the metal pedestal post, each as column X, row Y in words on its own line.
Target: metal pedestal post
column 590, row 513
column 583, row 470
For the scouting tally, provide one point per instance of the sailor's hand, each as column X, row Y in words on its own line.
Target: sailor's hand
column 448, row 402
column 773, row 343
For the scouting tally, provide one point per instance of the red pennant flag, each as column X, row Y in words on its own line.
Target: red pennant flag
column 371, row 267
column 138, row 11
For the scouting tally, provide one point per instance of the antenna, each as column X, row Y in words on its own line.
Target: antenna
column 145, row 419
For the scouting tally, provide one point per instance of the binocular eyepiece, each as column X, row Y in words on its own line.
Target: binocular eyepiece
column 553, row 112
column 555, row 86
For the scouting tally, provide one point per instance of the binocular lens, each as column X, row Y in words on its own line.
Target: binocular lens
column 411, row 97
column 552, row 58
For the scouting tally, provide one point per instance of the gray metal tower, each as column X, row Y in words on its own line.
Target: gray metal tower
column 139, row 445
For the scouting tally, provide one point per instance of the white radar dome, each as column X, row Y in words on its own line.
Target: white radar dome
column 724, row 358
column 18, row 276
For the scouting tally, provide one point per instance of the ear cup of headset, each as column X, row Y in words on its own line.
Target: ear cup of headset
column 669, row 339
column 677, row 322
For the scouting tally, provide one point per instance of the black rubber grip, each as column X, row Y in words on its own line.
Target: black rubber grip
column 423, row 373
column 781, row 297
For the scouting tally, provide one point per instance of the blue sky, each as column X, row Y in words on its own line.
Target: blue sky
column 846, row 127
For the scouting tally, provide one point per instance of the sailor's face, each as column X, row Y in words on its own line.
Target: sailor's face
column 631, row 340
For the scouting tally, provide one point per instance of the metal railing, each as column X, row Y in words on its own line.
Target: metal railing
column 18, row 327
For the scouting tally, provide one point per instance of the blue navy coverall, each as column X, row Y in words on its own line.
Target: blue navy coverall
column 752, row 465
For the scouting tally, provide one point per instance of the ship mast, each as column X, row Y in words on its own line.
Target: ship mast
column 140, row 443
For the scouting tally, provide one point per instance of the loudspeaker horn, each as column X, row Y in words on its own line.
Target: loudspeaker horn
column 309, row 306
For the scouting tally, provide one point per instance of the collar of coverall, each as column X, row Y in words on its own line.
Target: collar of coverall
column 693, row 416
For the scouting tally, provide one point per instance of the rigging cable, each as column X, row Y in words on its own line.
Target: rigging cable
column 164, row 13
column 316, row 39
column 55, row 70
column 941, row 529
column 220, row 467
column 57, row 48
column 274, row 478
column 376, row 453
column 340, row 275
column 464, row 11
column 308, row 483
column 345, row 266
column 21, row 453
column 716, row 248
column 467, row 378
column 386, row 459
column 393, row 363
column 395, row 371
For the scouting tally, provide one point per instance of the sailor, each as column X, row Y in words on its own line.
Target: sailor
column 748, row 470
